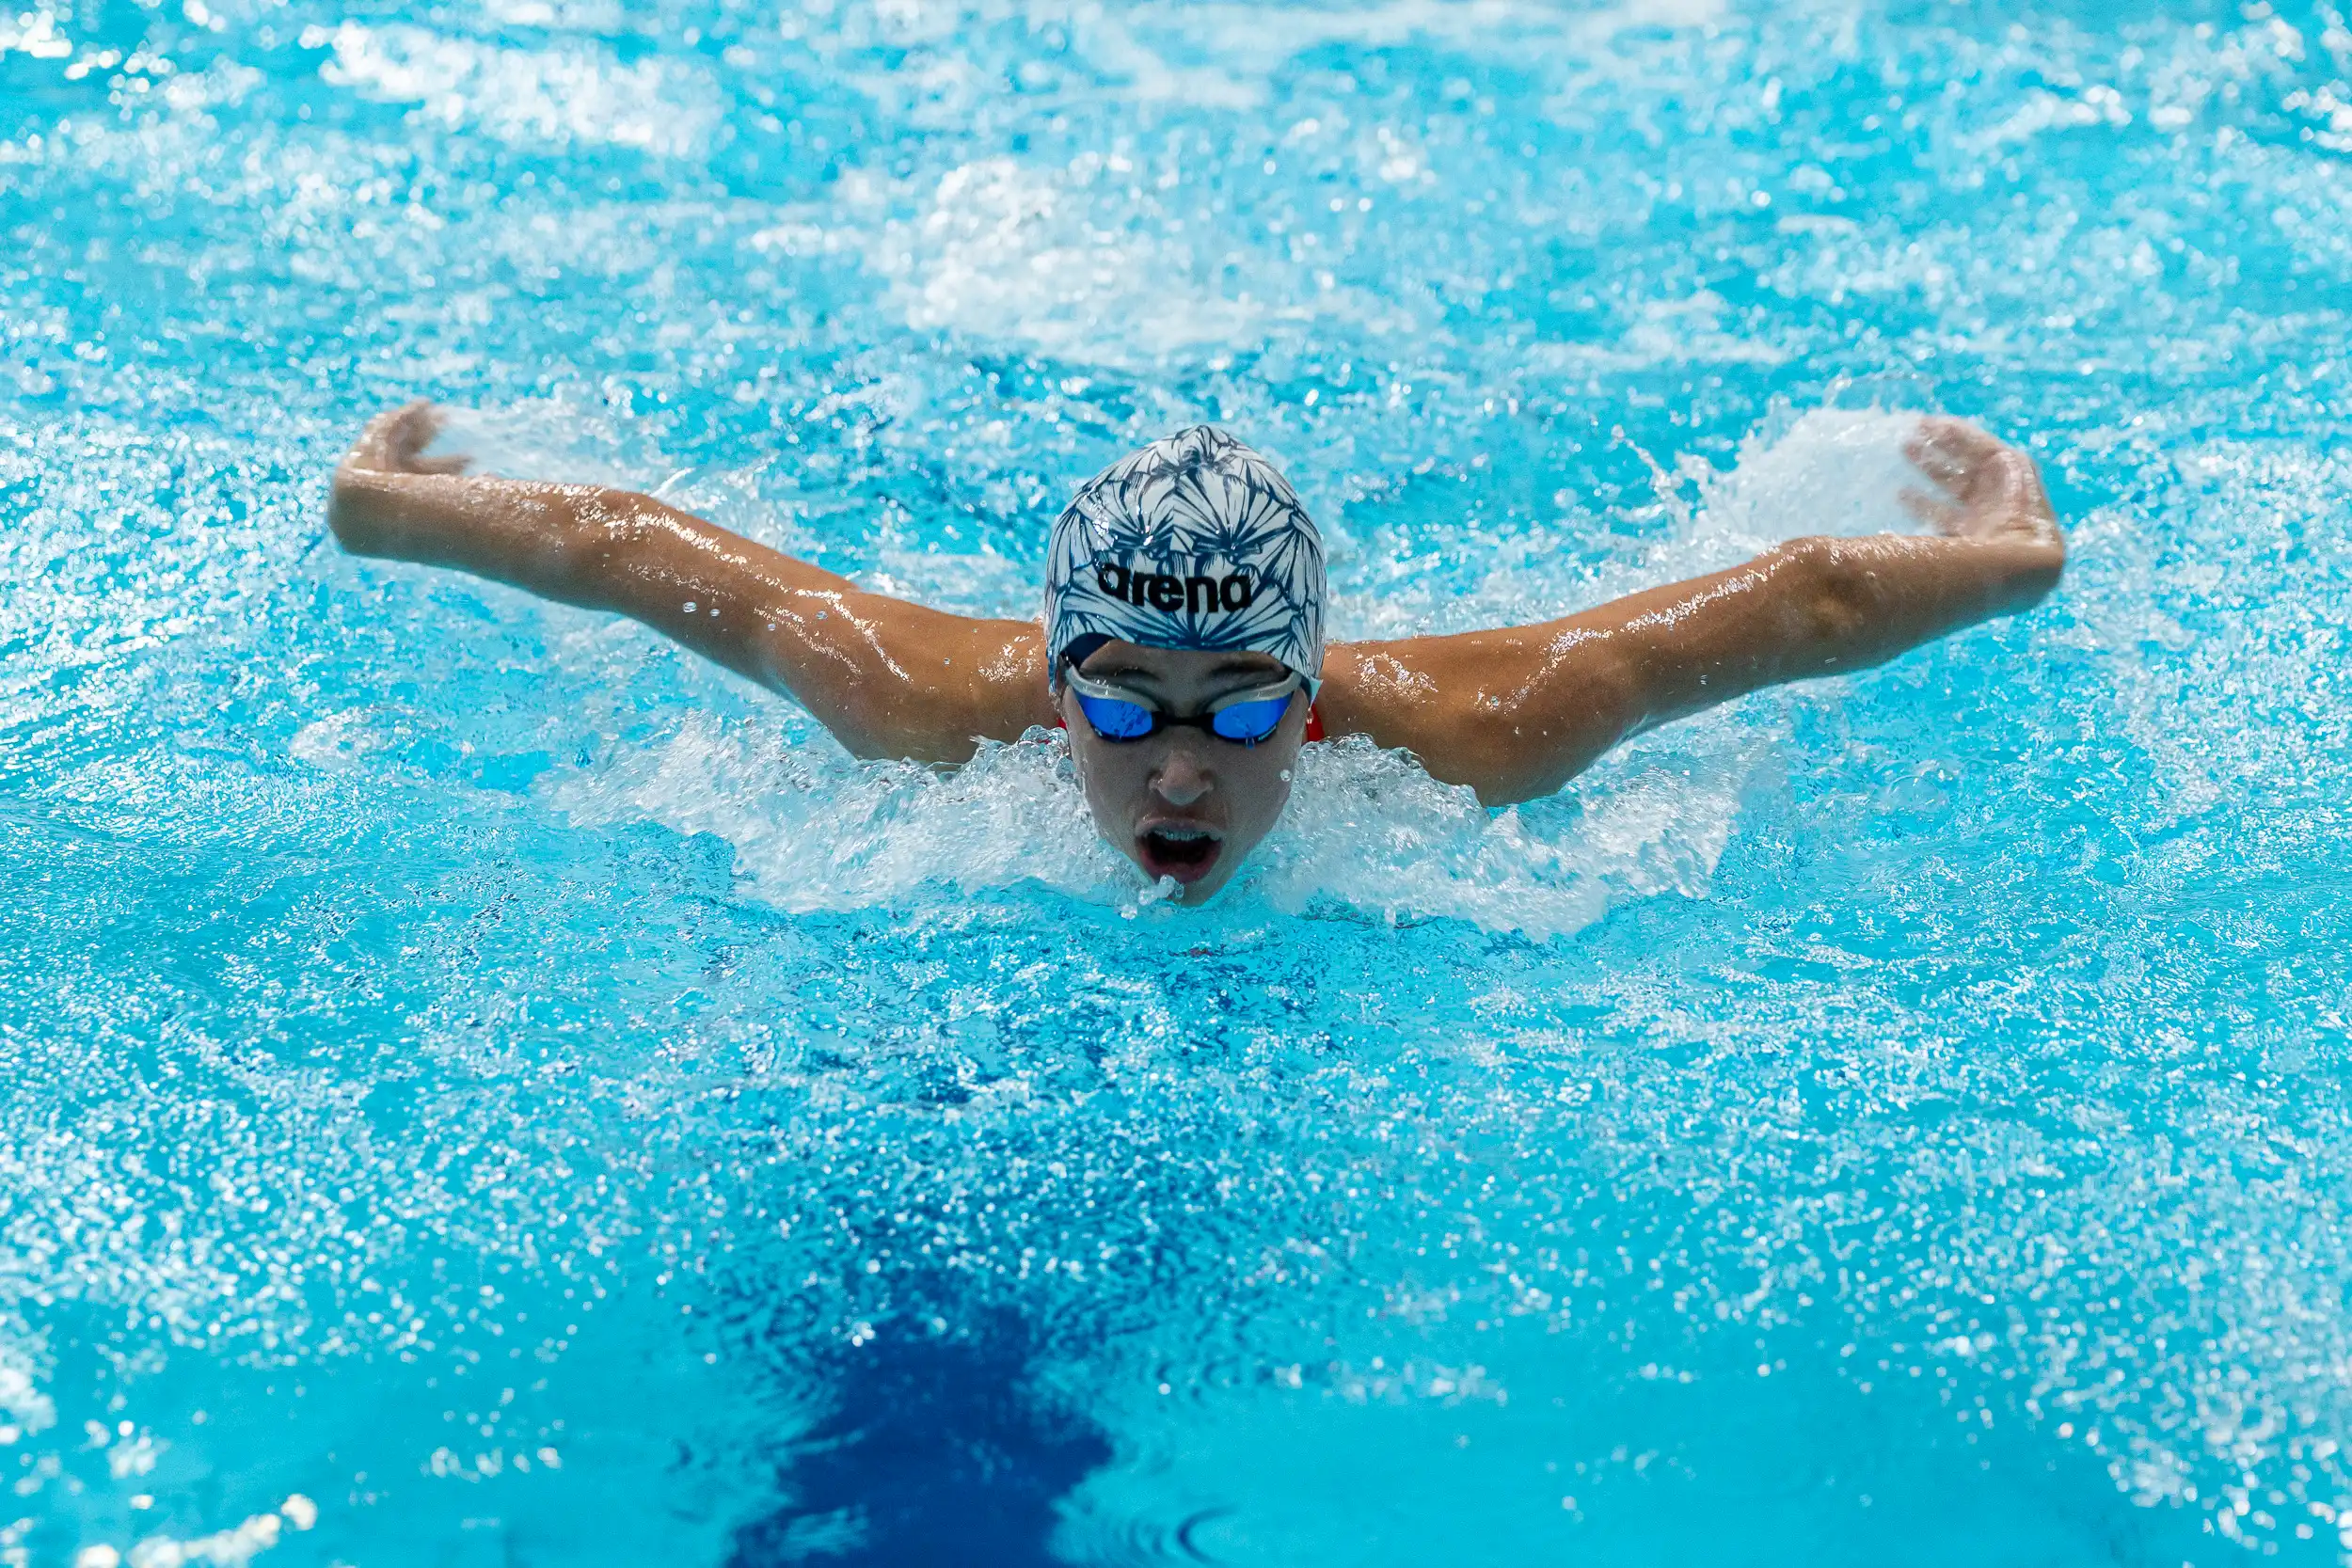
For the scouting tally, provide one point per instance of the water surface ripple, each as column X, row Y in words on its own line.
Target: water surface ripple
column 485, row 1086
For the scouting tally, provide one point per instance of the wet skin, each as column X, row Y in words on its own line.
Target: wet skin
column 1512, row 712
column 1184, row 803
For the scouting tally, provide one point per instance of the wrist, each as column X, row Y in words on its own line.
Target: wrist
column 360, row 513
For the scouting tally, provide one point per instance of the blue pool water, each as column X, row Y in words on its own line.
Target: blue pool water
column 485, row 1087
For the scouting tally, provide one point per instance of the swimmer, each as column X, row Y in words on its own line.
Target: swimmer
column 1181, row 643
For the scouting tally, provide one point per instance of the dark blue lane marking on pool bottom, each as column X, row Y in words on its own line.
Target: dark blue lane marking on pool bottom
column 939, row 1449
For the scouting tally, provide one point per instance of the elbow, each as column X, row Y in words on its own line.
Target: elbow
column 1525, row 744
column 929, row 748
column 863, row 745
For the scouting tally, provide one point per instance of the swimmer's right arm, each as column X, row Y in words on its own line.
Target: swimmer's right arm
column 887, row 678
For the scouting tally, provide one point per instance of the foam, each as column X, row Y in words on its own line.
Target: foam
column 812, row 831
column 1003, row 250
column 1819, row 470
column 1367, row 830
column 1370, row 832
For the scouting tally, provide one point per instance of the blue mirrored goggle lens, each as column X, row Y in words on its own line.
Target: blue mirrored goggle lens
column 1114, row 720
column 1249, row 721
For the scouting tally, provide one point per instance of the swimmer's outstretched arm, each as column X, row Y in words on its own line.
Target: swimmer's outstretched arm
column 887, row 678
column 1516, row 713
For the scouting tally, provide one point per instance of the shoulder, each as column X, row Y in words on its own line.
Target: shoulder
column 1005, row 666
column 1512, row 713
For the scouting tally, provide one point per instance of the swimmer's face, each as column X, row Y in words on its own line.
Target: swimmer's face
column 1184, row 803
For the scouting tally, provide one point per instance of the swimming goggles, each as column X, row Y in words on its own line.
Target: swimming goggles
column 1245, row 717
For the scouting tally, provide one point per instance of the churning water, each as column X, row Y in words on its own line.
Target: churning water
column 485, row 1087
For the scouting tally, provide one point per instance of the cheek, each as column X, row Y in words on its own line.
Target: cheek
column 1264, row 777
column 1108, row 774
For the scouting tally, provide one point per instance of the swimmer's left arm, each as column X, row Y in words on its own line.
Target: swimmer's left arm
column 1517, row 712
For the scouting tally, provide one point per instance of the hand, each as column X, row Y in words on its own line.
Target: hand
column 378, row 505
column 394, row 443
column 1990, row 488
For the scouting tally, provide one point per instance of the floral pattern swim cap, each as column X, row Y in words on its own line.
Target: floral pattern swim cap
column 1194, row 541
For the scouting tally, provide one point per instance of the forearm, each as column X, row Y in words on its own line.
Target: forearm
column 1810, row 607
column 583, row 544
column 1516, row 713
column 887, row 678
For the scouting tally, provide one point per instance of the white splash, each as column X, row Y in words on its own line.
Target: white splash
column 812, row 830
column 540, row 438
column 1826, row 470
column 337, row 742
column 1005, row 250
column 1367, row 829
column 570, row 92
column 28, row 1408
column 228, row 1548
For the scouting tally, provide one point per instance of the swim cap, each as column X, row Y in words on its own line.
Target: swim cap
column 1194, row 541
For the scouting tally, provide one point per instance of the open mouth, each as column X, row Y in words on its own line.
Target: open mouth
column 1184, row 853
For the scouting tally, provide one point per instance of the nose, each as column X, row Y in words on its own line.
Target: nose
column 1182, row 779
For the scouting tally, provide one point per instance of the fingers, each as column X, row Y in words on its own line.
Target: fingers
column 374, row 443
column 1994, row 487
column 1952, row 452
column 2024, row 477
column 385, row 439
column 394, row 442
column 1932, row 510
column 2023, row 503
column 412, row 428
column 1943, row 433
